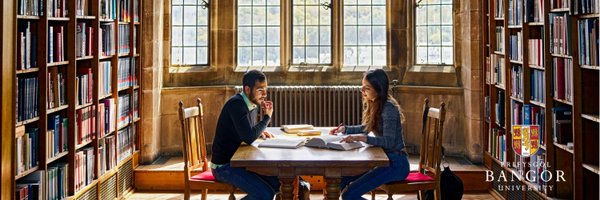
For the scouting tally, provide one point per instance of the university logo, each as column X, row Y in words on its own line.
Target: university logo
column 526, row 139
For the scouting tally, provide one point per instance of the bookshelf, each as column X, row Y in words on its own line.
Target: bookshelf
column 542, row 69
column 77, row 78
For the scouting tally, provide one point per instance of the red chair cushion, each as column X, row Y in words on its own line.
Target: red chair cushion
column 204, row 176
column 417, row 177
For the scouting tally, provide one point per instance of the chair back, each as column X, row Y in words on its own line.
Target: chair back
column 192, row 132
column 431, row 142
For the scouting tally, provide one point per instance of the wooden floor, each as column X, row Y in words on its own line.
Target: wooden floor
column 314, row 195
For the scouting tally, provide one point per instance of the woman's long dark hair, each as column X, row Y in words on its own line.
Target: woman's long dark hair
column 372, row 110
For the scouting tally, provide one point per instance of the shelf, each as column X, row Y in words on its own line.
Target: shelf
column 105, row 96
column 55, row 158
column 63, row 19
column 85, row 17
column 590, row 67
column 123, row 54
column 79, row 146
column 515, row 26
column 123, row 88
column 537, row 103
column 500, row 86
column 563, row 101
column 136, row 120
column 28, row 17
column 561, row 56
column 123, row 126
column 124, row 23
column 592, row 168
column 516, row 62
column 516, row 99
column 563, row 147
column 83, row 106
column 105, row 57
column 136, row 87
column 543, row 147
column 537, row 67
column 499, row 18
column 587, row 16
column 30, row 70
column 536, row 23
column 493, row 158
column 560, row 10
column 136, row 55
column 136, row 23
column 28, row 121
column 498, row 53
column 106, row 135
column 52, row 110
column 107, row 20
column 83, row 190
column 26, row 172
column 499, row 125
column 107, row 174
column 58, row 63
column 84, row 58
column 591, row 117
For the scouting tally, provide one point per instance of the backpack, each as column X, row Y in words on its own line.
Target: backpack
column 451, row 186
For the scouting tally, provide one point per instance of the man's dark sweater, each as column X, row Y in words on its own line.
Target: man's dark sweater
column 236, row 124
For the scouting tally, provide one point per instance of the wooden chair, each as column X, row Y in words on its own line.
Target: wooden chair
column 194, row 153
column 428, row 175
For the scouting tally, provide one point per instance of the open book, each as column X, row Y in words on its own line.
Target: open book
column 301, row 130
column 332, row 142
column 288, row 143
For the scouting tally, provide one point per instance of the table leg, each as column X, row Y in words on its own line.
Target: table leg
column 287, row 188
column 333, row 188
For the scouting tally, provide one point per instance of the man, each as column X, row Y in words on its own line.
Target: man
column 238, row 123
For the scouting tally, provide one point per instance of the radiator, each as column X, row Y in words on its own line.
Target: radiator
column 316, row 105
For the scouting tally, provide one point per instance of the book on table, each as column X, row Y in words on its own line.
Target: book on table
column 287, row 143
column 301, row 129
column 332, row 142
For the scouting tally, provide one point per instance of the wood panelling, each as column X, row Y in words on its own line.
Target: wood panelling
column 8, row 23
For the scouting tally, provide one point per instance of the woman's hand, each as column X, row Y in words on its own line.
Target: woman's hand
column 335, row 131
column 354, row 138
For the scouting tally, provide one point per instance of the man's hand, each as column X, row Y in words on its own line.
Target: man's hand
column 267, row 106
column 265, row 135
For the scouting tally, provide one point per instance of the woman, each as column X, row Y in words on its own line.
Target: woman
column 383, row 117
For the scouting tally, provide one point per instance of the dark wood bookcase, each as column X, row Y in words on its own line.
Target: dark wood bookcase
column 581, row 99
column 118, row 181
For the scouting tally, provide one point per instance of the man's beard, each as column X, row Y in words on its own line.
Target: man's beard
column 253, row 99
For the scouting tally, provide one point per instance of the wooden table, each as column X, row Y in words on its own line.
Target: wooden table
column 287, row 164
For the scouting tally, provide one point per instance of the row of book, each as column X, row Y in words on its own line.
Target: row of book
column 499, row 8
column 559, row 34
column 536, row 52
column 107, row 117
column 499, row 38
column 26, row 47
column 27, row 148
column 107, row 36
column 126, row 73
column 58, row 8
column 499, row 108
column 585, row 6
column 497, row 72
column 562, row 124
column 515, row 12
column 497, row 144
column 85, row 124
column 56, row 43
column 30, row 7
column 517, row 82
column 534, row 10
column 126, row 139
column 124, row 11
column 562, row 73
column 538, row 86
column 557, row 4
column 56, row 95
column 107, row 154
column 108, row 9
column 84, row 83
column 83, row 40
column 84, row 168
column 27, row 97
column 58, row 177
column 30, row 186
column 124, row 110
column 82, row 8
column 104, row 78
column 57, row 135
column 588, row 42
column 515, row 46
column 124, row 39
column 538, row 166
column 136, row 95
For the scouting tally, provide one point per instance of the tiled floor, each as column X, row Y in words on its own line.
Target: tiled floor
column 314, row 195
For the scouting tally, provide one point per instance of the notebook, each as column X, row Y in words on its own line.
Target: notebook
column 286, row 143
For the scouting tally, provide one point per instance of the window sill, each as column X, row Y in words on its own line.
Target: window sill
column 442, row 76
column 244, row 69
column 433, row 68
column 190, row 69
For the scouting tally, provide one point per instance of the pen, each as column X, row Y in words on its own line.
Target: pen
column 338, row 128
